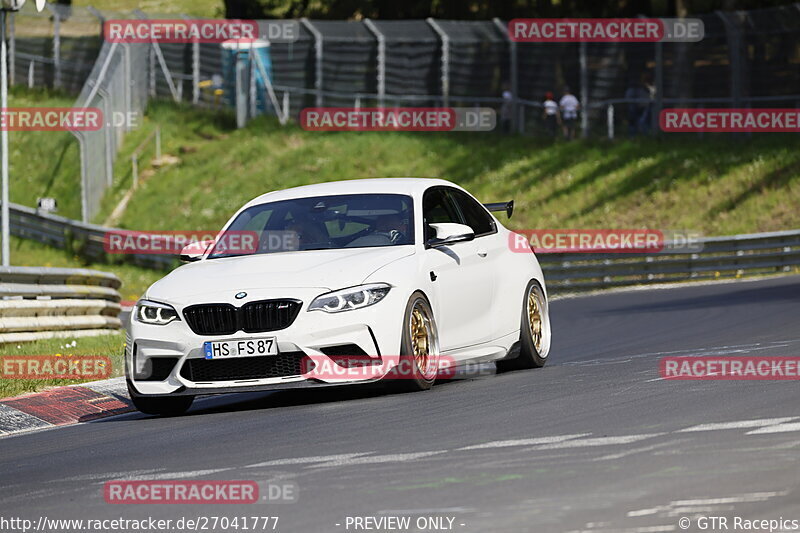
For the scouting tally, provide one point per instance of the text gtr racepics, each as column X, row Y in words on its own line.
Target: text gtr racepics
column 349, row 282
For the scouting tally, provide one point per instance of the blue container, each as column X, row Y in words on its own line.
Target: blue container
column 243, row 50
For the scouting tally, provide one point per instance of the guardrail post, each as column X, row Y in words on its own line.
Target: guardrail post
column 318, row 51
column 610, row 121
column 381, row 74
column 31, row 76
column 445, row 60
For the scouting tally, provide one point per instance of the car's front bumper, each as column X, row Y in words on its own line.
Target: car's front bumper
column 376, row 330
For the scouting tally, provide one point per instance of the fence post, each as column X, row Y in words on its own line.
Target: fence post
column 151, row 71
column 445, row 60
column 318, row 49
column 79, row 135
column 128, row 83
column 164, row 69
column 381, row 75
column 195, row 67
column 56, row 46
column 252, row 98
column 111, row 141
column 584, row 63
column 12, row 48
column 514, row 74
column 733, row 37
column 241, row 94
column 31, row 77
column 659, row 100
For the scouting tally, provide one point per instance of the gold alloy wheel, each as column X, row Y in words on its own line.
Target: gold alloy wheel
column 420, row 338
column 535, row 320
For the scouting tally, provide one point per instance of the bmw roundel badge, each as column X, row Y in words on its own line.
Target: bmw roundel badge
column 240, row 295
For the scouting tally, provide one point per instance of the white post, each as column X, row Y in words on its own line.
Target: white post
column 381, row 75
column 610, row 119
column 4, row 140
column 318, row 50
column 445, row 39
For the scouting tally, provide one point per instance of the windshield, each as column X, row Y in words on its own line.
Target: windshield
column 325, row 222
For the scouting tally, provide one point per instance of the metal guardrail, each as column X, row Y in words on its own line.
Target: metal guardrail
column 720, row 257
column 41, row 303
column 86, row 240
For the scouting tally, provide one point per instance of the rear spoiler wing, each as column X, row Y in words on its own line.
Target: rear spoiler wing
column 499, row 207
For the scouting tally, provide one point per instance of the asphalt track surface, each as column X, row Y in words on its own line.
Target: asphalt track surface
column 597, row 440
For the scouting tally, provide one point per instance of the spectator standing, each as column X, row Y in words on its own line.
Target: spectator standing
column 637, row 97
column 550, row 114
column 570, row 106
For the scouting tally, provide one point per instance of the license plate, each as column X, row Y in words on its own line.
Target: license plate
column 240, row 348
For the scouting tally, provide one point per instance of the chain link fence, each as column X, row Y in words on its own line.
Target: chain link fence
column 746, row 59
column 112, row 87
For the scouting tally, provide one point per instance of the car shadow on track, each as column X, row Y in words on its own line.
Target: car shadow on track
column 258, row 401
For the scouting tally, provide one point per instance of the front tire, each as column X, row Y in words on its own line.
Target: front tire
column 159, row 405
column 534, row 336
column 419, row 348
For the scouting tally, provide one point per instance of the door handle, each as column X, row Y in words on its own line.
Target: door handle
column 482, row 253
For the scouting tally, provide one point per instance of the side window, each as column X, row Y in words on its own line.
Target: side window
column 438, row 207
column 475, row 215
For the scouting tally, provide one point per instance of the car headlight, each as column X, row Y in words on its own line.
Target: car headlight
column 349, row 299
column 154, row 313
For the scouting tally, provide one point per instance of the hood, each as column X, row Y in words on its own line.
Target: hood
column 318, row 269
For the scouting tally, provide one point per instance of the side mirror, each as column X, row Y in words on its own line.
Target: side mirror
column 448, row 233
column 194, row 251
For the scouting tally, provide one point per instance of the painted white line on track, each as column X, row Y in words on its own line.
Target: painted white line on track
column 307, row 460
column 179, row 475
column 130, row 474
column 634, row 451
column 598, row 441
column 377, row 459
column 739, row 424
column 780, row 428
column 523, row 442
column 742, row 498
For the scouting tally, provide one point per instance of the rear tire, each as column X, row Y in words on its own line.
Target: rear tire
column 419, row 348
column 534, row 336
column 160, row 405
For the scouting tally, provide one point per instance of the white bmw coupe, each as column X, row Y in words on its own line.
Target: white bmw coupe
column 350, row 282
